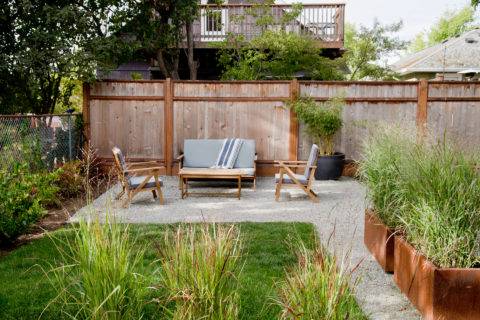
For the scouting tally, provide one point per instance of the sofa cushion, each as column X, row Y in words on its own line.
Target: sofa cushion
column 203, row 153
column 134, row 182
column 246, row 156
column 287, row 180
column 245, row 171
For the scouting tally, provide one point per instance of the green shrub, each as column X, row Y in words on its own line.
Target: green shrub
column 23, row 196
column 198, row 272
column 323, row 120
column 317, row 288
column 71, row 181
column 96, row 276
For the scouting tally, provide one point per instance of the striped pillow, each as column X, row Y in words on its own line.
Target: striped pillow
column 228, row 153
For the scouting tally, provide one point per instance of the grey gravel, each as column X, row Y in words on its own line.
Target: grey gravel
column 338, row 218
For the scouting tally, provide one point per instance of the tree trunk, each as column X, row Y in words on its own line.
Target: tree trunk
column 168, row 63
column 162, row 63
column 175, row 63
column 192, row 64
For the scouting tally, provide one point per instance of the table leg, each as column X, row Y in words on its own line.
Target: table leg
column 239, row 187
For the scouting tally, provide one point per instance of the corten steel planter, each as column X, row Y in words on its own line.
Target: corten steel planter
column 379, row 240
column 438, row 293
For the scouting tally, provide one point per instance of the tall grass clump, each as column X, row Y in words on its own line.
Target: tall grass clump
column 441, row 211
column 318, row 287
column 198, row 273
column 96, row 277
column 385, row 151
column 428, row 190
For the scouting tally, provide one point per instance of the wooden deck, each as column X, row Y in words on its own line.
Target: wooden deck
column 323, row 22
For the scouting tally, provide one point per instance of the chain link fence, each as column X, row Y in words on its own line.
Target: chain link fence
column 43, row 142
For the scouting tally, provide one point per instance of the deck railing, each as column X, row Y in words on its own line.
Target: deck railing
column 323, row 22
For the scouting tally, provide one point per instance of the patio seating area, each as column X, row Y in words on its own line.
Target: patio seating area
column 338, row 217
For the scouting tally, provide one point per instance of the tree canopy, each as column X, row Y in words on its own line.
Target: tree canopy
column 277, row 55
column 450, row 24
column 158, row 28
column 368, row 47
column 274, row 53
column 46, row 45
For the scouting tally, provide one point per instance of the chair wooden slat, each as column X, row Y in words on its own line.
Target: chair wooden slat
column 126, row 172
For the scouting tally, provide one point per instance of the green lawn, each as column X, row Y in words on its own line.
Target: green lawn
column 25, row 290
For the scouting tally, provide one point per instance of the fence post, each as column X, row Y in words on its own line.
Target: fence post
column 86, row 113
column 168, row 125
column 422, row 108
column 69, row 136
column 293, row 143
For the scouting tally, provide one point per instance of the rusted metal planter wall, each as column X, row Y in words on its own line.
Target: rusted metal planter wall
column 452, row 294
column 379, row 241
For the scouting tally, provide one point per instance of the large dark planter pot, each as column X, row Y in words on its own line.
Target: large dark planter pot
column 330, row 167
column 379, row 240
column 438, row 293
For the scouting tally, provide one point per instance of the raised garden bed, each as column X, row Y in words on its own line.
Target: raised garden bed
column 438, row 293
column 379, row 240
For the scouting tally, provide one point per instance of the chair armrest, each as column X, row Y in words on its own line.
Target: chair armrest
column 143, row 163
column 180, row 161
column 290, row 164
column 291, row 161
column 293, row 166
column 151, row 169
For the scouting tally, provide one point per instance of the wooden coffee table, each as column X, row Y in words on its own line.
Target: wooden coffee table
column 209, row 174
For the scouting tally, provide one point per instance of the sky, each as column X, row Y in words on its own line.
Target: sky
column 417, row 15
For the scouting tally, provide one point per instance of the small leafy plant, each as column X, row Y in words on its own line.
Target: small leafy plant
column 323, row 120
column 71, row 180
column 23, row 196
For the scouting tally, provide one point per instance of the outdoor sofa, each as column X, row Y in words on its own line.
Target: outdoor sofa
column 203, row 153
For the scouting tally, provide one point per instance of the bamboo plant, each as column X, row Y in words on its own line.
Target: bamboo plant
column 322, row 120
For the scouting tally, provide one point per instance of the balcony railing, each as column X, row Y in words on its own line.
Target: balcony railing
column 323, row 22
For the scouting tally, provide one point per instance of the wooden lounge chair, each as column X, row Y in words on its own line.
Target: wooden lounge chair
column 137, row 177
column 286, row 178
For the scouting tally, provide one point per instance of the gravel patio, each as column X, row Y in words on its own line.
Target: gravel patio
column 338, row 218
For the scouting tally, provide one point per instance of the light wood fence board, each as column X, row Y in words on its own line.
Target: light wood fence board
column 131, row 114
column 265, row 122
column 134, row 89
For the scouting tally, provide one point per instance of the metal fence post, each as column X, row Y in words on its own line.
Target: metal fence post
column 69, row 135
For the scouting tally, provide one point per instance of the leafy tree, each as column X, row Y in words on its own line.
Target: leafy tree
column 367, row 47
column 159, row 28
column 275, row 53
column 450, row 24
column 45, row 44
column 278, row 55
column 475, row 3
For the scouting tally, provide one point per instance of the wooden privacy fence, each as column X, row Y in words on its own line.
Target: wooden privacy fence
column 150, row 119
